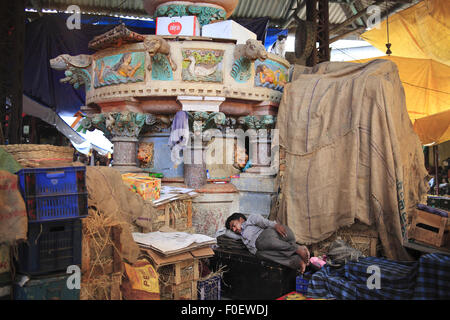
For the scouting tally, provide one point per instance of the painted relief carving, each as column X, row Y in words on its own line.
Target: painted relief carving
column 119, row 69
column 244, row 56
column 202, row 121
column 75, row 69
column 270, row 74
column 202, row 65
column 261, row 122
column 161, row 63
column 204, row 14
column 207, row 15
column 145, row 154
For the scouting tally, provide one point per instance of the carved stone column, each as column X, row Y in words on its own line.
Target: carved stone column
column 261, row 152
column 123, row 129
column 194, row 157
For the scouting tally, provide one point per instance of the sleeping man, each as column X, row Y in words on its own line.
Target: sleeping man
column 268, row 240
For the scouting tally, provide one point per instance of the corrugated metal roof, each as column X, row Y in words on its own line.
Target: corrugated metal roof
column 277, row 10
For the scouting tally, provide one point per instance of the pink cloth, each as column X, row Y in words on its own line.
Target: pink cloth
column 318, row 262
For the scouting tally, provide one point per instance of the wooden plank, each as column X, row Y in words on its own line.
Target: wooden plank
column 116, row 293
column 423, row 247
column 203, row 253
column 189, row 213
column 161, row 260
column 194, row 290
column 425, row 218
column 117, row 259
column 429, row 218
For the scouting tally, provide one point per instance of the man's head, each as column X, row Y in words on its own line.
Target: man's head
column 234, row 222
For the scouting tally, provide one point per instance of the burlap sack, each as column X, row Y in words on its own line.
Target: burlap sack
column 13, row 213
column 351, row 153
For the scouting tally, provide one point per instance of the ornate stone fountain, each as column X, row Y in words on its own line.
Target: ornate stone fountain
column 135, row 83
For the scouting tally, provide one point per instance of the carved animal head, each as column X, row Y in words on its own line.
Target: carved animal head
column 60, row 62
column 254, row 49
column 153, row 44
column 65, row 61
column 145, row 154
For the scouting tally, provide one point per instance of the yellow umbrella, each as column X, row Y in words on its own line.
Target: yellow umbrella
column 420, row 45
column 422, row 32
column 433, row 129
column 426, row 83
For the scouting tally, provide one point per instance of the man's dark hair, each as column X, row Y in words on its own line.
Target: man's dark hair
column 234, row 216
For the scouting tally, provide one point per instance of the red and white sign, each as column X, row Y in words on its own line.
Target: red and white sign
column 177, row 26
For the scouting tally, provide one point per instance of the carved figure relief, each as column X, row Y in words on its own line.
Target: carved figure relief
column 270, row 74
column 119, row 69
column 75, row 69
column 202, row 65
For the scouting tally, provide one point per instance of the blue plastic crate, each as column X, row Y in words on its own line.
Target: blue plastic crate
column 301, row 284
column 52, row 287
column 54, row 193
column 209, row 289
column 51, row 247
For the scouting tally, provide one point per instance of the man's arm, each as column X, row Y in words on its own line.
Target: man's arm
column 260, row 221
column 264, row 223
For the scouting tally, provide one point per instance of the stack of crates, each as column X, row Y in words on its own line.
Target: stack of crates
column 56, row 200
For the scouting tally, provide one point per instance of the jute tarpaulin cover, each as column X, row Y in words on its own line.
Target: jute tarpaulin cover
column 351, row 153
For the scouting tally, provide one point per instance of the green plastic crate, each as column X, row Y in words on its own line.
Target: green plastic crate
column 46, row 288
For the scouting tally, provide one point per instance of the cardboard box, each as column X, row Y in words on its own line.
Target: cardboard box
column 178, row 26
column 148, row 188
column 228, row 30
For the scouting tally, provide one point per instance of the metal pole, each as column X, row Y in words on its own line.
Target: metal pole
column 436, row 165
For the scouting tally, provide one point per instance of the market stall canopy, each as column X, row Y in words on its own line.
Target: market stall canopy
column 420, row 45
column 434, row 129
column 420, row 32
column 426, row 83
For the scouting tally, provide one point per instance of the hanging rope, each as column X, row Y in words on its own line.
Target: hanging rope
column 388, row 44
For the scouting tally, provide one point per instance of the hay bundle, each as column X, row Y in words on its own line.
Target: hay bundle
column 105, row 287
column 102, row 257
column 359, row 236
column 107, row 238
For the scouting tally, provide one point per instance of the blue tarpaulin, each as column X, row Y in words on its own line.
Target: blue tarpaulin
column 47, row 38
column 272, row 36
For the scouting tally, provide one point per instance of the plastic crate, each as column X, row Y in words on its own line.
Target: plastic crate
column 54, row 193
column 439, row 202
column 209, row 289
column 46, row 288
column 248, row 278
column 51, row 247
column 301, row 285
